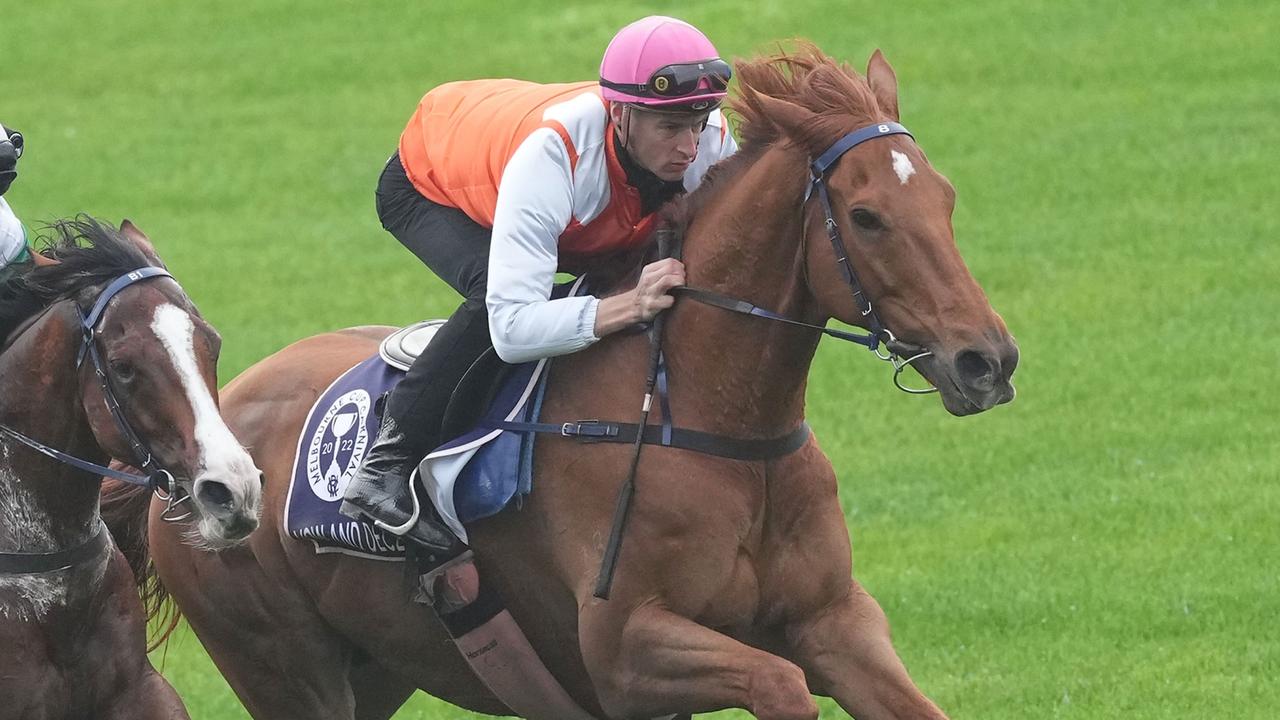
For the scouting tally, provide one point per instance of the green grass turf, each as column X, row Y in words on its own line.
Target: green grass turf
column 1105, row 547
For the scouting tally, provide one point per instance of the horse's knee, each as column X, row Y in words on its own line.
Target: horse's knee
column 779, row 691
column 149, row 697
column 613, row 686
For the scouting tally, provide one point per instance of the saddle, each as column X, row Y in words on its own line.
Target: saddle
column 475, row 391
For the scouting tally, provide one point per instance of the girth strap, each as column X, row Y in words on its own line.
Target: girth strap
column 27, row 563
column 707, row 443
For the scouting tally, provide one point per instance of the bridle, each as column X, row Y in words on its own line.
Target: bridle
column 894, row 350
column 878, row 338
column 159, row 480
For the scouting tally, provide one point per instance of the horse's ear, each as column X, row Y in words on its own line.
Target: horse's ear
column 789, row 117
column 138, row 238
column 884, row 83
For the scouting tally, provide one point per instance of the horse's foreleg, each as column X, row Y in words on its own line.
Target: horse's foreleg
column 653, row 663
column 846, row 653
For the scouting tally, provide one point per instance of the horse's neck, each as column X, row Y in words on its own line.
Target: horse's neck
column 44, row 506
column 745, row 376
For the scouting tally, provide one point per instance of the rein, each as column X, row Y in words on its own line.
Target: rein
column 159, row 480
column 894, row 349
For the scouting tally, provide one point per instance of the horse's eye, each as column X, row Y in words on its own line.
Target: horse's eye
column 866, row 219
column 123, row 371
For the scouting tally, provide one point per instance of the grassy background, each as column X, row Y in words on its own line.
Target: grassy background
column 1105, row 547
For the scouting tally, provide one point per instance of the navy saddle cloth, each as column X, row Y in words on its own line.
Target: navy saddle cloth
column 469, row 478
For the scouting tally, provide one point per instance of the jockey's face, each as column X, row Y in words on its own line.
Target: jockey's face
column 665, row 144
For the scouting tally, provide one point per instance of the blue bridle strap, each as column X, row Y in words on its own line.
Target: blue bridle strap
column 819, row 169
column 852, row 140
column 114, row 288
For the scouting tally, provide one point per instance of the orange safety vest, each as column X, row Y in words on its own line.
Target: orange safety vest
column 458, row 142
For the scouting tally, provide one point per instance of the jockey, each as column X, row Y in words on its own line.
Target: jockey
column 13, row 236
column 15, row 306
column 499, row 183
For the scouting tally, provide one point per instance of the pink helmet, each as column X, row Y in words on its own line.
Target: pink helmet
column 660, row 62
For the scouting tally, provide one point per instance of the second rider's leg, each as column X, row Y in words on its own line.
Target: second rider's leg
column 456, row 249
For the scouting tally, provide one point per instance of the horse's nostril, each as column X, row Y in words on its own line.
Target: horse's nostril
column 212, row 493
column 976, row 371
column 1009, row 362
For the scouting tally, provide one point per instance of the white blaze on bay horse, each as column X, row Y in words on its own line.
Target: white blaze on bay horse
column 109, row 359
column 220, row 455
column 733, row 586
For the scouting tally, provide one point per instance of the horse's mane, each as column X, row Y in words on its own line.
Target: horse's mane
column 88, row 252
column 834, row 92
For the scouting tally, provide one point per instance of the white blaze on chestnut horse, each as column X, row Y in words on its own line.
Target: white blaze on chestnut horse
column 733, row 588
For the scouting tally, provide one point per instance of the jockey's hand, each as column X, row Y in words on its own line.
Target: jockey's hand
column 656, row 281
column 642, row 304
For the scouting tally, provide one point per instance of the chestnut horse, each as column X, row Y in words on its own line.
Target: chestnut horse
column 733, row 588
column 115, row 361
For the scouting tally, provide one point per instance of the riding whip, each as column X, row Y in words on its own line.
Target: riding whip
column 668, row 246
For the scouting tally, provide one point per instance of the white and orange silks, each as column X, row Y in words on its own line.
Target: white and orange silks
column 536, row 163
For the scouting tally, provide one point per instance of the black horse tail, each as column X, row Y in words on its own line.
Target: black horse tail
column 125, row 510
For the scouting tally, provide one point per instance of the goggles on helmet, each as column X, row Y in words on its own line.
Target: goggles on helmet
column 679, row 80
column 12, row 137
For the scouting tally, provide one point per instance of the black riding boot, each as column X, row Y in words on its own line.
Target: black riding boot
column 380, row 490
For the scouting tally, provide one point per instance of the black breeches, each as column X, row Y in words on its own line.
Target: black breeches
column 456, row 248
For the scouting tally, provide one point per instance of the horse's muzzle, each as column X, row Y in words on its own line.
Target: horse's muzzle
column 977, row 378
column 228, row 516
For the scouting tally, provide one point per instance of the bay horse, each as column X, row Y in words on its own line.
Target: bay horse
column 113, row 361
column 734, row 587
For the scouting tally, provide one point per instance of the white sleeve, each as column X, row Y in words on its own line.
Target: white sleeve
column 535, row 205
column 13, row 237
